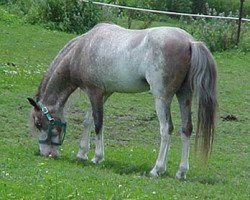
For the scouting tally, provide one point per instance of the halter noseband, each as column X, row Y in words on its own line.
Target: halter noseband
column 52, row 124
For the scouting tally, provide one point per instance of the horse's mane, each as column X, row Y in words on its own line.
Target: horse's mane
column 65, row 50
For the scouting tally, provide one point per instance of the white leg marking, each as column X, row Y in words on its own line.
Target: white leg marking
column 99, row 149
column 163, row 113
column 84, row 144
column 184, row 166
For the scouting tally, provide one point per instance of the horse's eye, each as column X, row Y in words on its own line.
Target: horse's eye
column 38, row 124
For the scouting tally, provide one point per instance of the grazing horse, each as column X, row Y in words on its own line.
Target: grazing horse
column 107, row 59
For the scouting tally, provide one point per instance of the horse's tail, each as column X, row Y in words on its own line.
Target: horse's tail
column 202, row 77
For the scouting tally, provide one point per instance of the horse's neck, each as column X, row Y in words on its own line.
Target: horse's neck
column 58, row 88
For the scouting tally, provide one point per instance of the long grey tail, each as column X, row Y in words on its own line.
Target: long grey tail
column 202, row 77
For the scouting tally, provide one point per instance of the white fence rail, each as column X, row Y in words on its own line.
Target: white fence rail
column 166, row 12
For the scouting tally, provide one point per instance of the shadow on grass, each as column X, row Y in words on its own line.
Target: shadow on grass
column 112, row 165
column 118, row 167
column 208, row 180
column 143, row 169
column 125, row 167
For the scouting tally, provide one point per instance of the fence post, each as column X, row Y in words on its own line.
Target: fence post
column 239, row 22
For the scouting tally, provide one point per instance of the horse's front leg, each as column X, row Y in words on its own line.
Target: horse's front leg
column 97, row 99
column 166, row 127
column 84, row 144
column 99, row 149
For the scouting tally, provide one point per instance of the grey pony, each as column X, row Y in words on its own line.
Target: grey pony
column 107, row 59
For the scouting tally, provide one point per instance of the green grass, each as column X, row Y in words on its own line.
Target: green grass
column 131, row 133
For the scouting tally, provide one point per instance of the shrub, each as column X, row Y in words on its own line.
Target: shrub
column 199, row 6
column 68, row 15
column 218, row 34
column 146, row 17
column 227, row 6
column 179, row 6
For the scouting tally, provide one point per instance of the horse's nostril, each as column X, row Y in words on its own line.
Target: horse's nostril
column 53, row 153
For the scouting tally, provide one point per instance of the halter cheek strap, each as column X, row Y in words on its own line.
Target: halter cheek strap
column 45, row 111
column 52, row 124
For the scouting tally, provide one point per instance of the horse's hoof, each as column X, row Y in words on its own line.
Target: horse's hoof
column 180, row 175
column 82, row 157
column 97, row 160
column 157, row 171
column 153, row 173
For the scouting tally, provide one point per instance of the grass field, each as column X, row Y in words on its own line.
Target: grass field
column 131, row 133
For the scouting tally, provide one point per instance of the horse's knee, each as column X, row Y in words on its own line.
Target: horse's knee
column 187, row 130
column 98, row 120
column 87, row 122
column 88, row 119
column 171, row 128
column 167, row 129
column 98, row 126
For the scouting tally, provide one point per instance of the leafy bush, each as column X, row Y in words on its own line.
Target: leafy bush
column 110, row 14
column 2, row 2
column 19, row 7
column 146, row 17
column 179, row 6
column 68, row 15
column 199, row 6
column 218, row 34
column 227, row 6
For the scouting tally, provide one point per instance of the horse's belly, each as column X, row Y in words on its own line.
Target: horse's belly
column 122, row 74
column 126, row 86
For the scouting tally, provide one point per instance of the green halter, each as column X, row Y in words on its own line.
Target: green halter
column 52, row 124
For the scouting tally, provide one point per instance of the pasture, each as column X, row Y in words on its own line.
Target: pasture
column 131, row 133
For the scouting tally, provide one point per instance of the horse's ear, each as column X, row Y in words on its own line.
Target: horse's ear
column 33, row 103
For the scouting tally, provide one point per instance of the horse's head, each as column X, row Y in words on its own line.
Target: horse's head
column 50, row 127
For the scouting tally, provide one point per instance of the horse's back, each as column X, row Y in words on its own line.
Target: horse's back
column 119, row 36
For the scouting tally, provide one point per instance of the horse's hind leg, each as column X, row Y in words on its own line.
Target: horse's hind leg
column 84, row 144
column 166, row 127
column 184, row 96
